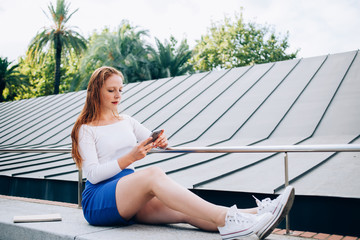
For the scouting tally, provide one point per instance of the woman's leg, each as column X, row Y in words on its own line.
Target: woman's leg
column 155, row 212
column 134, row 191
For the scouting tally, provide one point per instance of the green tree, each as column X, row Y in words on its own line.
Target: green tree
column 168, row 60
column 124, row 49
column 59, row 37
column 40, row 74
column 11, row 81
column 235, row 43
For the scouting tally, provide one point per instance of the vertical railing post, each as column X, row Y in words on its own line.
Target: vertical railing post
column 80, row 186
column 286, row 164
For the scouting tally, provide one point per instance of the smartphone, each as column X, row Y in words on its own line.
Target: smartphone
column 155, row 135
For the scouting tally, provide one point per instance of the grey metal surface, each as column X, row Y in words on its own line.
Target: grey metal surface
column 307, row 101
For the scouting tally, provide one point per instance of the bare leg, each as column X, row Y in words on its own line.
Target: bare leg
column 155, row 212
column 134, row 191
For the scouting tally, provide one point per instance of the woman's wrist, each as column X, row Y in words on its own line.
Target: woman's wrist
column 126, row 160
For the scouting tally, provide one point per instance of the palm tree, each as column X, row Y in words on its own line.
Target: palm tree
column 58, row 36
column 169, row 61
column 123, row 49
column 10, row 79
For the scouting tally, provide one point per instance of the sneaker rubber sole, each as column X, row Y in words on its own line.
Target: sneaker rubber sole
column 237, row 236
column 289, row 193
column 250, row 232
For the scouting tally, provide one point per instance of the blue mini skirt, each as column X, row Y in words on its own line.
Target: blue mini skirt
column 99, row 202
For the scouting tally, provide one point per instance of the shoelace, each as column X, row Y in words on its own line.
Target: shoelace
column 238, row 218
column 264, row 203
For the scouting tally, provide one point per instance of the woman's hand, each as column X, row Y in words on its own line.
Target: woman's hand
column 161, row 141
column 140, row 150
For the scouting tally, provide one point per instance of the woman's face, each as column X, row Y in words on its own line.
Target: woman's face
column 111, row 93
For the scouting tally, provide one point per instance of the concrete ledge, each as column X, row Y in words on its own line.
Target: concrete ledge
column 74, row 226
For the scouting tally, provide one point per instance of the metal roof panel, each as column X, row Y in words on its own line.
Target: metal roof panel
column 300, row 101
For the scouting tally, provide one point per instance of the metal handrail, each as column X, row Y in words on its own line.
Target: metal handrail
column 243, row 149
column 263, row 149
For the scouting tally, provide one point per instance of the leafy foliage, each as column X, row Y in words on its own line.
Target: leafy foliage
column 231, row 44
column 11, row 81
column 123, row 49
column 40, row 74
column 127, row 50
column 169, row 61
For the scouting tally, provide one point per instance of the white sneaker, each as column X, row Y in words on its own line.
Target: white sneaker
column 239, row 225
column 278, row 207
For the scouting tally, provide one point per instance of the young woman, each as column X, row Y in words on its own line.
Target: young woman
column 105, row 145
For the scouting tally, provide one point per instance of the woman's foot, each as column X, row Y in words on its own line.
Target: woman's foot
column 239, row 225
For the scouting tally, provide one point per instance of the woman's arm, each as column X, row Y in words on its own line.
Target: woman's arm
column 142, row 133
column 137, row 153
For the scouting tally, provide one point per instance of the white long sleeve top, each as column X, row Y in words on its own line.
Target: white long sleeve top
column 101, row 146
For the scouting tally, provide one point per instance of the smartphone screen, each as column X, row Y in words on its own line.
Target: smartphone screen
column 155, row 135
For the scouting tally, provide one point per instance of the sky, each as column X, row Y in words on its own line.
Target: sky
column 315, row 27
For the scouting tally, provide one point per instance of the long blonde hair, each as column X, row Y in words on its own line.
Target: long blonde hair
column 91, row 110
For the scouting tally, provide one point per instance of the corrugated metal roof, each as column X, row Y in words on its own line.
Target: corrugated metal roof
column 301, row 101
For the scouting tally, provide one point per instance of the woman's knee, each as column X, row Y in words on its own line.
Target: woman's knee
column 153, row 172
column 155, row 176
